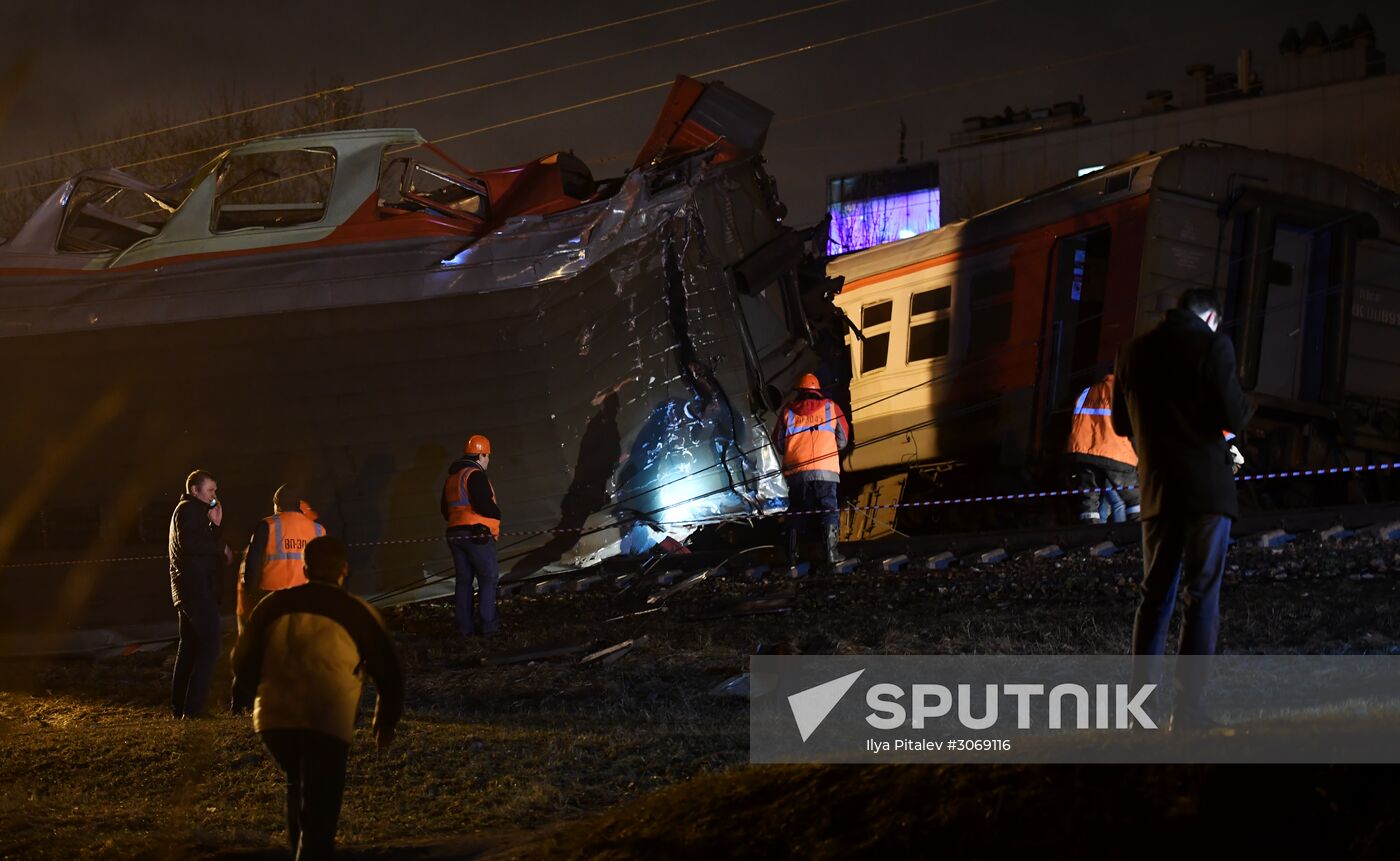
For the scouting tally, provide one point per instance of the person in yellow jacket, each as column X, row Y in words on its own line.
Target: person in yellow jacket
column 1102, row 464
column 473, row 526
column 302, row 661
column 811, row 432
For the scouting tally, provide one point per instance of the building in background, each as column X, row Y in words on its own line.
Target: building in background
column 1324, row 98
column 881, row 206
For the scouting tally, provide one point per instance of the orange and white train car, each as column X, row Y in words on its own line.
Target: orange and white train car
column 975, row 339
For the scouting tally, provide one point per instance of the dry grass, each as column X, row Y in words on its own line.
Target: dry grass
column 552, row 759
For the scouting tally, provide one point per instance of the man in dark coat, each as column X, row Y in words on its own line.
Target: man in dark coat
column 197, row 557
column 1176, row 392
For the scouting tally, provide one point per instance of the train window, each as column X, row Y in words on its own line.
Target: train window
column 931, row 300
column 875, row 327
column 990, row 314
column 874, row 352
column 990, row 283
column 874, row 315
column 929, row 340
column 930, row 324
column 990, row 325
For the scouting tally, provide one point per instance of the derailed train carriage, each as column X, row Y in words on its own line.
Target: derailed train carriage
column 975, row 339
column 344, row 309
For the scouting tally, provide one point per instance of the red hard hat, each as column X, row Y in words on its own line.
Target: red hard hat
column 809, row 381
column 477, row 444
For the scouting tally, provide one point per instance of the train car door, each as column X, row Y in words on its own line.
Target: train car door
column 1286, row 305
column 1373, row 348
column 1069, row 362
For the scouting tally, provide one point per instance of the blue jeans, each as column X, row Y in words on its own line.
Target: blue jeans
column 474, row 562
column 1190, row 548
column 201, row 633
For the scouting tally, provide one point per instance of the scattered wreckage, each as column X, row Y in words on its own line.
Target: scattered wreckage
column 343, row 309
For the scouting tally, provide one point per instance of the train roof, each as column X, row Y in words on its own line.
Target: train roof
column 1207, row 169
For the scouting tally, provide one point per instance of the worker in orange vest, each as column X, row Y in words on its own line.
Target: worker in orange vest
column 811, row 432
column 1103, row 465
column 473, row 527
column 275, row 559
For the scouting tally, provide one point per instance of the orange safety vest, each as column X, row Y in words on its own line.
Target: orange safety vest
column 284, row 556
column 1091, row 428
column 459, row 507
column 811, row 442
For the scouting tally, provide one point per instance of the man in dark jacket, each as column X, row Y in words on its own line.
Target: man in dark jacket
column 301, row 660
column 1176, row 391
column 197, row 556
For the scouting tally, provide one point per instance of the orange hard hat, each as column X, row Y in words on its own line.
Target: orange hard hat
column 477, row 444
column 809, row 381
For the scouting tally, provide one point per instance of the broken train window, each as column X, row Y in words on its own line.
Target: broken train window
column 102, row 217
column 409, row 185
column 273, row 189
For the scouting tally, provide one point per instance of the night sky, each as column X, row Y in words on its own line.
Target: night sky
column 92, row 63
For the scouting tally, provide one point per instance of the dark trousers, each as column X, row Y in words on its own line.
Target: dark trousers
column 1176, row 549
column 1103, row 484
column 314, row 763
column 201, row 633
column 812, row 496
column 474, row 562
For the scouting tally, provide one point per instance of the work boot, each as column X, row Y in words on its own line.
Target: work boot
column 791, row 558
column 833, row 553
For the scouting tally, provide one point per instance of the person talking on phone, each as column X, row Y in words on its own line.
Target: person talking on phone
column 197, row 556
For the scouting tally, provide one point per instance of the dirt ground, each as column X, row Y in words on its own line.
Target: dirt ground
column 635, row 759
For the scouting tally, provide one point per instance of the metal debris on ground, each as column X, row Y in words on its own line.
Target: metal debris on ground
column 624, row 616
column 667, row 577
column 734, row 686
column 749, row 607
column 612, row 653
column 536, row 653
column 717, row 571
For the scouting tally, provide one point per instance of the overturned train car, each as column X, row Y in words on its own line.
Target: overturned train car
column 975, row 339
column 344, row 309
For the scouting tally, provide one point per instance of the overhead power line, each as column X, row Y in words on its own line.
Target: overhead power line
column 457, row 92
column 368, row 82
column 717, row 70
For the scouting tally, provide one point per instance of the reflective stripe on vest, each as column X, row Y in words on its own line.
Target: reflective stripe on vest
column 811, row 446
column 284, row 556
column 459, row 506
column 1091, row 427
